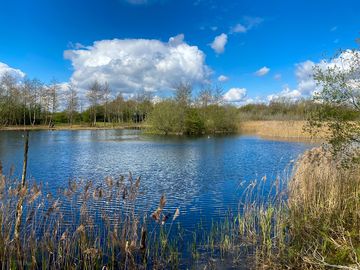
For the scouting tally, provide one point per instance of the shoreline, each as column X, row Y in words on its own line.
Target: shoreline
column 68, row 127
column 269, row 129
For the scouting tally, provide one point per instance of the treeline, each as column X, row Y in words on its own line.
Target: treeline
column 32, row 102
column 303, row 109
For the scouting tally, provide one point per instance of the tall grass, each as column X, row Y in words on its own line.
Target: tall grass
column 324, row 213
column 311, row 221
column 287, row 129
column 68, row 231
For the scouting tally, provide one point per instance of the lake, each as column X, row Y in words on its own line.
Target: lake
column 201, row 175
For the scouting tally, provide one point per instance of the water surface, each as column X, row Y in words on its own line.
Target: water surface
column 201, row 176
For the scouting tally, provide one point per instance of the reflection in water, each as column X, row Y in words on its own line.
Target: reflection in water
column 199, row 175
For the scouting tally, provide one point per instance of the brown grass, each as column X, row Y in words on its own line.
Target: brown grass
column 278, row 129
column 324, row 213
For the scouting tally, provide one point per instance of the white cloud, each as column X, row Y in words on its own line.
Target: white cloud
column 306, row 85
column 304, row 71
column 223, row 78
column 239, row 28
column 214, row 28
column 333, row 29
column 262, row 71
column 286, row 93
column 218, row 45
column 5, row 69
column 235, row 95
column 249, row 23
column 130, row 65
column 304, row 77
column 277, row 76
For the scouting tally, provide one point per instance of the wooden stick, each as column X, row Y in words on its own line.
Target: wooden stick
column 19, row 207
column 26, row 149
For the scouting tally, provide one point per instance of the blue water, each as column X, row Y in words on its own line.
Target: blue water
column 201, row 176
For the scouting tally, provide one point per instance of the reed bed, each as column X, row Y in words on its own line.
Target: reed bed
column 284, row 129
column 324, row 213
column 68, row 231
column 311, row 221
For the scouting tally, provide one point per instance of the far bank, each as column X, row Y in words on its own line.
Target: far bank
column 286, row 129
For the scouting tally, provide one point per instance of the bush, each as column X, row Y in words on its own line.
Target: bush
column 194, row 123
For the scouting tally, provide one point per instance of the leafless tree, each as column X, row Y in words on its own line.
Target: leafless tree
column 53, row 91
column 94, row 96
column 106, row 97
column 72, row 102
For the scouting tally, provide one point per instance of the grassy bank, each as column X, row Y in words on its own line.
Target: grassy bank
column 98, row 126
column 275, row 129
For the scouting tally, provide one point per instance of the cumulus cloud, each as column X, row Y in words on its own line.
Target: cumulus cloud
column 239, row 28
column 131, row 65
column 5, row 69
column 249, row 23
column 262, row 71
column 223, row 78
column 304, row 77
column 306, row 85
column 286, row 93
column 235, row 95
column 218, row 45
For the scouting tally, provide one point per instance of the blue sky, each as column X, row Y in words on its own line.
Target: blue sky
column 274, row 35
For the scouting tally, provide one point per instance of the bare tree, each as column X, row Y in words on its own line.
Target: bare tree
column 205, row 97
column 183, row 93
column 53, row 90
column 35, row 88
column 106, row 97
column 218, row 95
column 72, row 102
column 45, row 103
column 94, row 95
